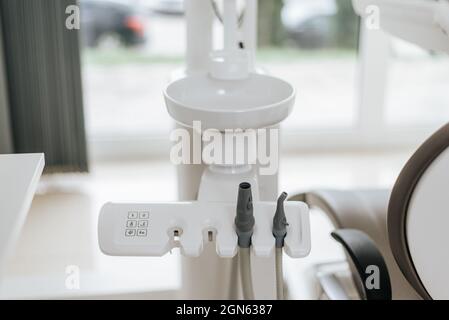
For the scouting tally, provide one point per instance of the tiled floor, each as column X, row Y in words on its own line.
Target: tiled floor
column 61, row 228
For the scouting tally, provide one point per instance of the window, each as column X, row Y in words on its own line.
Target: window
column 355, row 87
column 417, row 86
column 319, row 57
column 129, row 52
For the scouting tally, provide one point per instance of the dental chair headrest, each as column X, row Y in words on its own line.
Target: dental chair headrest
column 418, row 217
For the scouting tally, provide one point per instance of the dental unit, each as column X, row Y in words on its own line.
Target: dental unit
column 230, row 219
column 223, row 90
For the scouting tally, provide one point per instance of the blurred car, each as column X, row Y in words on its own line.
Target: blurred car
column 103, row 20
column 175, row 7
column 309, row 22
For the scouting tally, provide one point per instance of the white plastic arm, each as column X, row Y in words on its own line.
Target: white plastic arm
column 425, row 23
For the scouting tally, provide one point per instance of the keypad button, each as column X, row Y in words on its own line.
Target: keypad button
column 131, row 224
column 130, row 232
column 144, row 215
column 143, row 223
column 132, row 215
column 142, row 232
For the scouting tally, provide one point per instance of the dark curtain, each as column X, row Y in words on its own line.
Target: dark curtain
column 5, row 128
column 42, row 62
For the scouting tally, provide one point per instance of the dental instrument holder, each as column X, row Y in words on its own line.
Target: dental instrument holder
column 223, row 90
column 154, row 229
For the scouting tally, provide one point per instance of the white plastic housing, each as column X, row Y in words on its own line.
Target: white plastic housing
column 194, row 220
column 423, row 22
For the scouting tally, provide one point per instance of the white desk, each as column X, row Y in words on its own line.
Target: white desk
column 19, row 176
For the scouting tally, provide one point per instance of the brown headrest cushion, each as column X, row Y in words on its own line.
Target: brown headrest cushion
column 400, row 198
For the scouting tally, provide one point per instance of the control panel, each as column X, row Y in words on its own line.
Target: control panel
column 137, row 224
